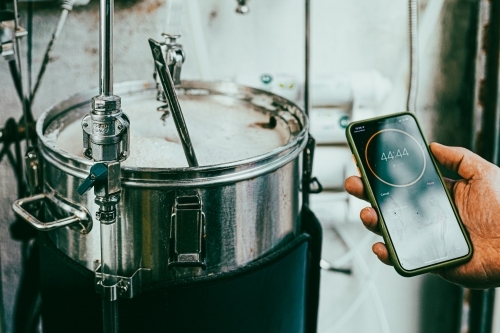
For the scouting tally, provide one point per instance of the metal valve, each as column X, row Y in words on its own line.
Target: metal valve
column 242, row 7
column 106, row 181
column 98, row 173
column 174, row 56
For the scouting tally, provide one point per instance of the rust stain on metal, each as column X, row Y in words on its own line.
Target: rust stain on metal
column 153, row 5
column 483, row 93
column 486, row 43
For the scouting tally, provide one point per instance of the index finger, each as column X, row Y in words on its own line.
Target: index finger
column 354, row 186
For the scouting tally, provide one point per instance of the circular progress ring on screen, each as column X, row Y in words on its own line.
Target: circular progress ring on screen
column 412, row 181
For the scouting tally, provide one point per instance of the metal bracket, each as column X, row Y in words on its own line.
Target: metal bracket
column 33, row 171
column 7, row 34
column 313, row 184
column 126, row 287
column 187, row 233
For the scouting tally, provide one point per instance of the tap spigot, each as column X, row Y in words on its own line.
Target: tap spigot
column 106, row 139
column 242, row 7
column 174, row 56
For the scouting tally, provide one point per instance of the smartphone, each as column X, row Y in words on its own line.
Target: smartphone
column 418, row 220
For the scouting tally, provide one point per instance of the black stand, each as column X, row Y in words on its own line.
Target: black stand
column 278, row 293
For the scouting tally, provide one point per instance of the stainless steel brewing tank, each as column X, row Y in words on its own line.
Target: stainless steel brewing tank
column 250, row 207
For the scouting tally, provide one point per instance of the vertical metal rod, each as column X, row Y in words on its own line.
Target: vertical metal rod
column 106, row 47
column 307, row 103
column 30, row 43
column 109, row 268
column 24, row 100
column 46, row 57
column 109, row 257
column 110, row 316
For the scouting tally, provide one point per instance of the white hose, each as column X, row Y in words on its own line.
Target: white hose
column 411, row 103
column 367, row 278
column 173, row 19
column 199, row 41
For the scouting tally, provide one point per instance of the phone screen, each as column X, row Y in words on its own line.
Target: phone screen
column 419, row 218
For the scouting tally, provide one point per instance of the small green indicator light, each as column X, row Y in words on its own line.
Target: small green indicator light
column 344, row 121
column 266, row 78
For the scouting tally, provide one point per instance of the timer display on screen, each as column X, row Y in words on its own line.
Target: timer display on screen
column 395, row 157
column 392, row 155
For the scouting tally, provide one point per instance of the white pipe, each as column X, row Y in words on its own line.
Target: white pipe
column 199, row 41
column 173, row 18
column 428, row 28
column 366, row 274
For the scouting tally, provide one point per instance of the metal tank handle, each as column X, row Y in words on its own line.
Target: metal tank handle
column 80, row 217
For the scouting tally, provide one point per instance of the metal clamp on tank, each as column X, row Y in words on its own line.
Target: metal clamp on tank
column 105, row 130
column 309, row 183
column 187, row 233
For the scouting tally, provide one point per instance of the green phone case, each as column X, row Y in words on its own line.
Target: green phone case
column 382, row 225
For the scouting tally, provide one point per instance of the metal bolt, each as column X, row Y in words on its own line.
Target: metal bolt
column 92, row 176
column 85, row 124
column 120, row 127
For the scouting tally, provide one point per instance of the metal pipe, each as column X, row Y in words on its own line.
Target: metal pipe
column 30, row 45
column 14, row 73
column 46, row 57
column 110, row 316
column 25, row 103
column 109, row 255
column 109, row 268
column 307, row 102
column 106, row 47
column 307, row 74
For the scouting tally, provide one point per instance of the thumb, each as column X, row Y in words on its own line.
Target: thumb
column 466, row 163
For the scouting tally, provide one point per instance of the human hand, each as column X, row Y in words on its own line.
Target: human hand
column 477, row 198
